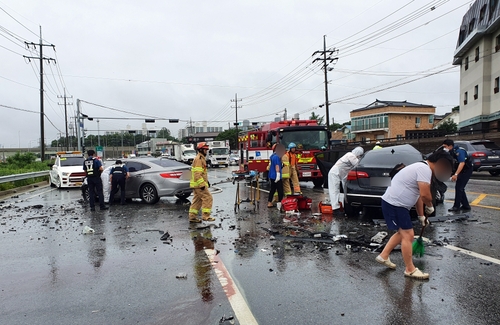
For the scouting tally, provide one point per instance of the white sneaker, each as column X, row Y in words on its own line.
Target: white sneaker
column 386, row 262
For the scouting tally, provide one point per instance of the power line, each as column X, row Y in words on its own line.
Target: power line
column 32, row 32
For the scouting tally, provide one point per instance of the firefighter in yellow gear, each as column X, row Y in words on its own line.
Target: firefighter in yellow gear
column 294, row 170
column 199, row 183
column 285, row 175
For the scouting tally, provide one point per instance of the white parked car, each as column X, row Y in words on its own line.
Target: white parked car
column 67, row 170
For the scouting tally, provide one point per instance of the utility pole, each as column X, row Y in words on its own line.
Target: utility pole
column 42, row 113
column 328, row 57
column 235, row 101
column 78, row 125
column 285, row 115
column 66, row 115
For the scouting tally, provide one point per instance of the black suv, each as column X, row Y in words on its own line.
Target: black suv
column 484, row 154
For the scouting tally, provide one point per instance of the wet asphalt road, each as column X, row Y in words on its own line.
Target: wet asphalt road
column 51, row 273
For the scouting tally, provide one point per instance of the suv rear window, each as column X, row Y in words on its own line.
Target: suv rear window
column 485, row 145
column 384, row 158
column 72, row 161
column 168, row 163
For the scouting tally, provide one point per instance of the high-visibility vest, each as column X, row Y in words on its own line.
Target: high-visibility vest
column 199, row 177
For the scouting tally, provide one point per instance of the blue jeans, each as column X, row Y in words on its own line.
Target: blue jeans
column 461, row 200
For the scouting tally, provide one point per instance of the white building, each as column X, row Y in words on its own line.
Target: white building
column 478, row 54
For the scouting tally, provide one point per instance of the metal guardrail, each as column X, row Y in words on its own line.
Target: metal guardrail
column 19, row 177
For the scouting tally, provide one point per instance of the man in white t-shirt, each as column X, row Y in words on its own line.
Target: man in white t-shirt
column 411, row 187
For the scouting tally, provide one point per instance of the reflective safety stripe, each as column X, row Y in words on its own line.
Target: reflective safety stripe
column 285, row 176
column 288, row 193
column 286, row 163
column 206, row 210
column 194, row 211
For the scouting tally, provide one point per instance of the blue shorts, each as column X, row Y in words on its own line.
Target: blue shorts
column 396, row 217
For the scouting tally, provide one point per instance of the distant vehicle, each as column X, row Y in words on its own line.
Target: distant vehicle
column 218, row 154
column 67, row 170
column 132, row 155
column 166, row 155
column 367, row 182
column 184, row 153
column 485, row 155
column 234, row 159
column 152, row 178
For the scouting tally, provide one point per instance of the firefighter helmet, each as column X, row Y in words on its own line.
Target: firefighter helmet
column 202, row 145
column 292, row 145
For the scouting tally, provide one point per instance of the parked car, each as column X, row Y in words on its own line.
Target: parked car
column 234, row 159
column 368, row 181
column 485, row 155
column 152, row 178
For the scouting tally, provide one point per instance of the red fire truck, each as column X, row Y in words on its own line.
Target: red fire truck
column 309, row 137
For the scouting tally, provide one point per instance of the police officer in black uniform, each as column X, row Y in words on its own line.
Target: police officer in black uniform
column 93, row 168
column 118, row 175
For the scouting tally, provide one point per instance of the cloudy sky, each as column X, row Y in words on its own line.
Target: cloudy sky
column 187, row 59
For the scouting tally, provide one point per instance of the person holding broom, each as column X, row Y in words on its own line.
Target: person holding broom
column 411, row 186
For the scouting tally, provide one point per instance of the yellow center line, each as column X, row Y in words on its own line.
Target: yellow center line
column 478, row 199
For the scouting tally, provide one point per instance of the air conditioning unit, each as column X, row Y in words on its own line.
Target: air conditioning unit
column 417, row 125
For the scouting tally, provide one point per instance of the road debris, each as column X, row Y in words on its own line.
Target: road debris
column 379, row 237
column 87, row 230
column 181, row 276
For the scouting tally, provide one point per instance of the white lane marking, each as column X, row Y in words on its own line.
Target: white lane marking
column 49, row 190
column 240, row 307
column 474, row 254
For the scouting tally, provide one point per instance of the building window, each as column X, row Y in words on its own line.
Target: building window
column 472, row 24
column 477, row 54
column 493, row 4
column 431, row 119
column 462, row 36
column 377, row 121
column 497, row 43
column 466, row 63
column 497, row 85
column 476, row 92
column 466, row 95
column 417, row 120
column 482, row 13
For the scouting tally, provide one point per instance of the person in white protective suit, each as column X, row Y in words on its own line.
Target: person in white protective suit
column 339, row 172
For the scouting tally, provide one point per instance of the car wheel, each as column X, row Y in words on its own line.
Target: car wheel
column 183, row 196
column 494, row 172
column 52, row 183
column 85, row 193
column 149, row 194
column 318, row 182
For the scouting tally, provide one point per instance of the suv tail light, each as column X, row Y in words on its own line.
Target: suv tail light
column 354, row 175
column 171, row 175
column 478, row 154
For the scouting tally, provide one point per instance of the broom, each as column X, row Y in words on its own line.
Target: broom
column 418, row 247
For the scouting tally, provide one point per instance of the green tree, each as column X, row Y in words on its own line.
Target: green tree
column 164, row 133
column 449, row 126
column 228, row 135
column 316, row 117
